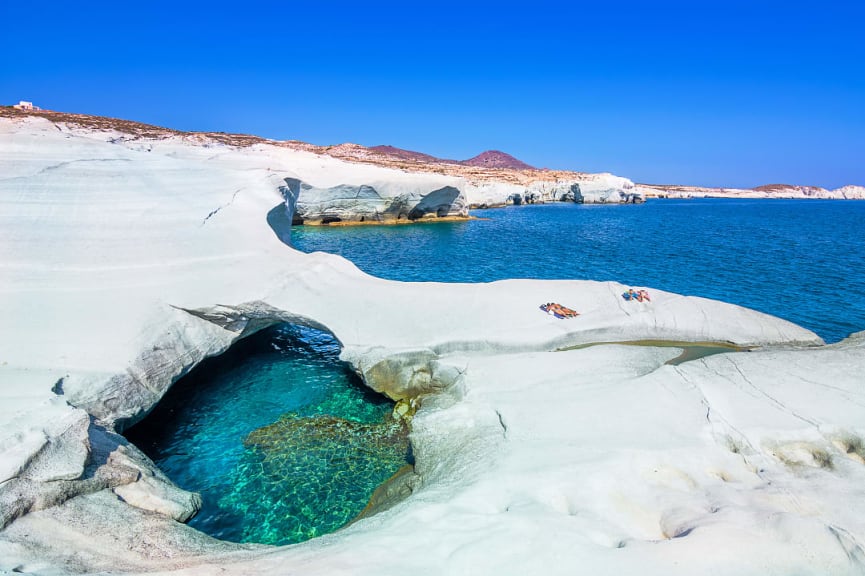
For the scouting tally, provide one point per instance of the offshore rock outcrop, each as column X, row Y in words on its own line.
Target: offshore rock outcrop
column 383, row 202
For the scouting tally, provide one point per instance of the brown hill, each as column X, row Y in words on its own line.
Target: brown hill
column 488, row 159
column 497, row 159
column 401, row 154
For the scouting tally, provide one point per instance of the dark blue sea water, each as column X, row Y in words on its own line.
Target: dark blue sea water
column 802, row 260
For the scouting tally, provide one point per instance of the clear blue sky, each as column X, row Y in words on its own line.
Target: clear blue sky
column 734, row 93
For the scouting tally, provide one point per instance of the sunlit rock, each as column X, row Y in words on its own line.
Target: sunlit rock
column 588, row 189
column 403, row 199
column 129, row 259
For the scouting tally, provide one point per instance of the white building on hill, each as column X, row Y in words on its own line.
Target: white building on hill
column 24, row 105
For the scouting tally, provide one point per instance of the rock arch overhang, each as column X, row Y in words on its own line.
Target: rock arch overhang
column 85, row 453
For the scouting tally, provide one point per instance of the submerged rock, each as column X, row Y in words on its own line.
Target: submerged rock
column 293, row 433
column 316, row 474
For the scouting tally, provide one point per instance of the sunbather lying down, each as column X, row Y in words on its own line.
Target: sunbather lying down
column 638, row 295
column 558, row 310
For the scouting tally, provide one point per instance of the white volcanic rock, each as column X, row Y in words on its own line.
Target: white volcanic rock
column 782, row 191
column 492, row 194
column 589, row 189
column 127, row 261
column 603, row 189
column 851, row 192
column 403, row 197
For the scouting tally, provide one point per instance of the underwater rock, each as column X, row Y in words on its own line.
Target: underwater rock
column 292, row 433
column 316, row 474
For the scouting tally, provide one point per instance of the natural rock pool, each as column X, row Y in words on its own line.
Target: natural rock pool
column 283, row 442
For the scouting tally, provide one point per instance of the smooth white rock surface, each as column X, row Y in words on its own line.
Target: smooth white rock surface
column 590, row 189
column 400, row 197
column 125, row 263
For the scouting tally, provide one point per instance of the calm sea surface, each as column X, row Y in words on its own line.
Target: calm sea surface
column 802, row 260
column 285, row 444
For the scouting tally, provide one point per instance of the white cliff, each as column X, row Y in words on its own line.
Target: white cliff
column 851, row 192
column 400, row 198
column 585, row 188
column 126, row 261
column 781, row 191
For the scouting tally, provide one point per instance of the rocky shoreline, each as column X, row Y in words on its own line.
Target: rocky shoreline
column 128, row 260
column 772, row 191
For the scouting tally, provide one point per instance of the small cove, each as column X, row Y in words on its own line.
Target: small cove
column 283, row 442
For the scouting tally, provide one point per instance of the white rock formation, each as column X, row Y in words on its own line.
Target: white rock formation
column 400, row 197
column 589, row 189
column 493, row 194
column 851, row 192
column 125, row 262
column 775, row 191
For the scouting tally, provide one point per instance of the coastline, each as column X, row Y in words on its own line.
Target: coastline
column 422, row 220
column 779, row 192
column 129, row 264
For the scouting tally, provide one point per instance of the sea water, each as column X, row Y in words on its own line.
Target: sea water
column 280, row 439
column 802, row 260
column 285, row 444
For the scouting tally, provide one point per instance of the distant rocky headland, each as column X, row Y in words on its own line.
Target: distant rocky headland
column 789, row 191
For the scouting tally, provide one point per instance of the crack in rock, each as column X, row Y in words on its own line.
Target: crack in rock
column 771, row 398
column 218, row 208
column 502, row 424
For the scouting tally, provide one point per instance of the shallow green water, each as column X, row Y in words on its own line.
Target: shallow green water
column 281, row 440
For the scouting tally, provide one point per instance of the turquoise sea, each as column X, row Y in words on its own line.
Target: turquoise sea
column 285, row 444
column 802, row 260
column 279, row 438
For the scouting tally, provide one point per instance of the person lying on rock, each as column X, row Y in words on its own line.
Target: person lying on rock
column 638, row 295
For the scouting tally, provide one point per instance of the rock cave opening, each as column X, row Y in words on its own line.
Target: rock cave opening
column 281, row 439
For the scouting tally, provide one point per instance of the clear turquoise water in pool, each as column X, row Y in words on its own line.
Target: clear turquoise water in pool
column 282, row 442
column 802, row 260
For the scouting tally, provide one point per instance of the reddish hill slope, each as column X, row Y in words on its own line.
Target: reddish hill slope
column 488, row 159
column 497, row 159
